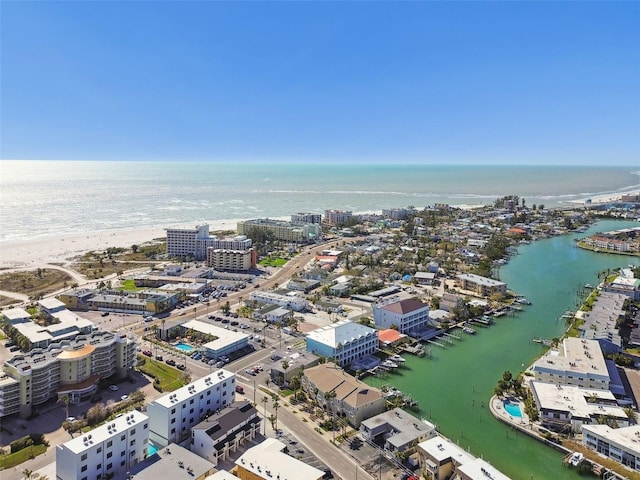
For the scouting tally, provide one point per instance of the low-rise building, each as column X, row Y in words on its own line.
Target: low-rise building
column 296, row 362
column 231, row 260
column 105, row 451
column 619, row 444
column 397, row 431
column 226, row 341
column 223, row 432
column 294, row 302
column 482, row 286
column 577, row 362
column 407, row 316
column 341, row 394
column 173, row 415
column 442, row 459
column 267, row 461
column 567, row 408
column 77, row 299
column 171, row 462
column 282, row 230
column 344, row 341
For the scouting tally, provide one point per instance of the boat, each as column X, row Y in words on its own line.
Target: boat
column 389, row 364
column 397, row 359
column 575, row 459
column 568, row 314
column 469, row 330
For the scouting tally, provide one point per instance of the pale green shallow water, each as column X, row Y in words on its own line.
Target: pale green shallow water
column 453, row 386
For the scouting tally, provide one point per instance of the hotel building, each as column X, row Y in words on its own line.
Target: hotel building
column 282, row 230
column 105, row 451
column 306, row 218
column 231, row 260
column 293, row 302
column 69, row 368
column 183, row 242
column 337, row 217
column 173, row 415
column 344, row 341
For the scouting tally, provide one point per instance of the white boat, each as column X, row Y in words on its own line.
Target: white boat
column 397, row 359
column 575, row 459
column 469, row 330
column 389, row 364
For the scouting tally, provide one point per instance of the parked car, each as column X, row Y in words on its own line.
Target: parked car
column 171, row 362
column 159, row 358
column 124, row 397
column 105, row 314
column 113, row 388
column 147, row 353
column 239, row 389
column 181, row 367
column 249, row 371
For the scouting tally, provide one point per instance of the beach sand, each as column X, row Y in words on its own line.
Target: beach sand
column 600, row 199
column 60, row 249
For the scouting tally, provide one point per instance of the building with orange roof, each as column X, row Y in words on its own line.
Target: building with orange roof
column 389, row 337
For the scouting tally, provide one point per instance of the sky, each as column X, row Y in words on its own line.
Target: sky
column 394, row 82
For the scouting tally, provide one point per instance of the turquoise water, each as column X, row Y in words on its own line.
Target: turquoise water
column 152, row 449
column 512, row 409
column 184, row 347
column 126, row 194
column 454, row 386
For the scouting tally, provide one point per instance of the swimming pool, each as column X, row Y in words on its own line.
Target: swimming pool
column 184, row 347
column 512, row 409
column 152, row 449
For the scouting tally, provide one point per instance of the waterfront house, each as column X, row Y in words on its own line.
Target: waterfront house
column 344, row 341
column 407, row 316
column 480, row 285
column 397, row 431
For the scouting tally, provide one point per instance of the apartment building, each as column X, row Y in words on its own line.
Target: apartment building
column 398, row 431
column 337, row 217
column 619, row 444
column 407, row 316
column 341, row 394
column 104, row 451
column 222, row 433
column 344, row 341
column 480, row 285
column 577, row 362
column 194, row 242
column 293, row 302
column 282, row 230
column 69, row 368
column 395, row 213
column 173, row 415
column 306, row 218
column 231, row 260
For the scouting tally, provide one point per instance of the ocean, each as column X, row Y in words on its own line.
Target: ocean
column 39, row 198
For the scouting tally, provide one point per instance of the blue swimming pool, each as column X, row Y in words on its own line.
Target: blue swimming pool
column 184, row 347
column 512, row 409
column 152, row 449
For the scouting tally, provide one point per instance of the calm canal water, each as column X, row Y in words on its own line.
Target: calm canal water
column 455, row 384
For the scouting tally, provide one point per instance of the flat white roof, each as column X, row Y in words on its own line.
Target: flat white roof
column 568, row 398
column 267, row 460
column 194, row 388
column 576, row 356
column 51, row 303
column 625, row 437
column 481, row 470
column 341, row 332
column 442, row 449
column 488, row 282
column 225, row 337
column 68, row 318
column 104, row 432
column 15, row 314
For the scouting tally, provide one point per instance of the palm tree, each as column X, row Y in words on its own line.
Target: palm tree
column 285, row 366
column 28, row 474
column 264, row 401
column 276, row 405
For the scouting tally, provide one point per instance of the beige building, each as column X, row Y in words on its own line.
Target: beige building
column 281, row 230
column 481, row 286
column 341, row 394
column 69, row 368
column 231, row 260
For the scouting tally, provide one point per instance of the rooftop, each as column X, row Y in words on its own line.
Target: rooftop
column 268, row 461
column 174, row 462
column 225, row 336
column 405, row 306
column 340, row 333
column 194, row 388
column 108, row 430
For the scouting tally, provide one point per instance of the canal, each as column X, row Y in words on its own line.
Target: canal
column 454, row 386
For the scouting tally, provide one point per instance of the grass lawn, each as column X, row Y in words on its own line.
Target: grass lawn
column 13, row 459
column 130, row 286
column 170, row 378
column 273, row 262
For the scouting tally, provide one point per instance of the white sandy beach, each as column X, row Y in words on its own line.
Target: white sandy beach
column 600, row 199
column 62, row 248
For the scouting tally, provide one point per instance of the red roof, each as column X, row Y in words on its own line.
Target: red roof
column 389, row 336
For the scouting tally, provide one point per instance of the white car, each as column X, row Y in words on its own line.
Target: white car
column 113, row 388
column 124, row 397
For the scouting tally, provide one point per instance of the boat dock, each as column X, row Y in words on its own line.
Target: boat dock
column 543, row 341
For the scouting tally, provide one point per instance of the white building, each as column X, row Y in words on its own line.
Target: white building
column 619, row 444
column 182, row 242
column 408, row 316
column 281, row 230
column 344, row 341
column 337, row 217
column 568, row 408
column 267, row 461
column 576, row 362
column 227, row 341
column 293, row 302
column 306, row 218
column 104, row 451
column 172, row 415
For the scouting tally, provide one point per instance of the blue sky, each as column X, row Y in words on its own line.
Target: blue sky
column 425, row 82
